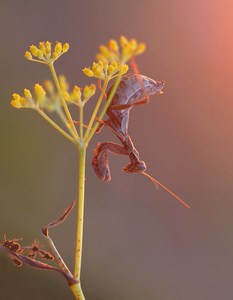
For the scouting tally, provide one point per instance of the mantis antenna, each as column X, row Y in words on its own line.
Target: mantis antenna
column 156, row 182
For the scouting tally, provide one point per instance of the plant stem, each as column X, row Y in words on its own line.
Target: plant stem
column 54, row 125
column 81, row 122
column 77, row 291
column 81, row 191
column 76, row 288
column 96, row 109
column 64, row 120
column 87, row 138
column 67, row 112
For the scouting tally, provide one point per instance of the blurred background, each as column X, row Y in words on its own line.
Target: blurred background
column 139, row 242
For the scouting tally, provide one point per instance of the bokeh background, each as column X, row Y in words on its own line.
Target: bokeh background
column 139, row 242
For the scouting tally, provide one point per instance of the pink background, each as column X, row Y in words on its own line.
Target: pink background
column 139, row 242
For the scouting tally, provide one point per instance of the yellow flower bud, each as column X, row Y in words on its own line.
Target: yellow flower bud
column 140, row 49
column 76, row 94
column 63, row 83
column 97, row 72
column 42, row 47
column 40, row 93
column 89, row 91
column 58, row 48
column 124, row 68
column 65, row 47
column 123, row 41
column 17, row 101
column 114, row 64
column 105, row 65
column 86, row 92
column 111, row 69
column 55, row 55
column 28, row 55
column 49, row 86
column 100, row 63
column 16, row 104
column 34, row 50
column 103, row 49
column 88, row 72
column 16, row 97
column 133, row 44
column 39, row 54
column 113, row 45
column 48, row 47
column 93, row 88
column 66, row 96
column 95, row 67
column 27, row 93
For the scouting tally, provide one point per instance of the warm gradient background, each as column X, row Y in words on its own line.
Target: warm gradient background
column 139, row 243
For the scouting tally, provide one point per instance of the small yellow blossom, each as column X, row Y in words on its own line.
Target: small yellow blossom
column 124, row 68
column 104, row 70
column 18, row 101
column 27, row 93
column 58, row 48
column 89, row 91
column 63, row 83
column 42, row 47
column 113, row 45
column 33, row 50
column 40, row 94
column 39, row 54
column 48, row 47
column 88, row 72
column 120, row 53
column 54, row 55
column 76, row 94
column 66, row 96
column 46, row 52
column 28, row 55
column 65, row 47
column 49, row 86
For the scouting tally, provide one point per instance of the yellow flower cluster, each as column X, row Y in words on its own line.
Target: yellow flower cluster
column 122, row 52
column 45, row 52
column 27, row 101
column 47, row 98
column 77, row 95
column 18, row 101
column 105, row 70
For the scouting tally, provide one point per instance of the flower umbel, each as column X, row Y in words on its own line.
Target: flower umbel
column 122, row 52
column 27, row 101
column 104, row 70
column 45, row 53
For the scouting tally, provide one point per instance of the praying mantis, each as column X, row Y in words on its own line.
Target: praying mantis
column 133, row 90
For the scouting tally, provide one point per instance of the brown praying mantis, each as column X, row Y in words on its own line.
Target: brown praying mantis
column 133, row 90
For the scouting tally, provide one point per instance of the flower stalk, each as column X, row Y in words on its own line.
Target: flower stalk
column 65, row 107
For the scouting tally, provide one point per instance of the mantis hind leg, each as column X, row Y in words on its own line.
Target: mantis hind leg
column 100, row 162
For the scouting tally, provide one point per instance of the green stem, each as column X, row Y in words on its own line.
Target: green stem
column 67, row 112
column 76, row 288
column 103, row 112
column 81, row 122
column 64, row 120
column 77, row 291
column 81, row 191
column 96, row 109
column 58, row 128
